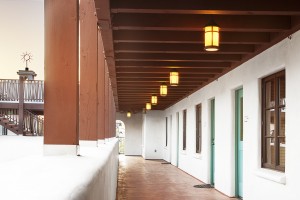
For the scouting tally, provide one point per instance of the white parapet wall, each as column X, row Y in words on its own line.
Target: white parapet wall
column 27, row 174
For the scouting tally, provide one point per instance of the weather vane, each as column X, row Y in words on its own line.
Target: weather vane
column 26, row 57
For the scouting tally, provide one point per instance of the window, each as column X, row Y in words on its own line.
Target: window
column 198, row 128
column 166, row 131
column 273, row 121
column 184, row 130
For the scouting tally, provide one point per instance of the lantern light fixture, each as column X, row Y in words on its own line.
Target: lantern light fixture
column 148, row 106
column 128, row 114
column 154, row 100
column 211, row 36
column 163, row 90
column 174, row 78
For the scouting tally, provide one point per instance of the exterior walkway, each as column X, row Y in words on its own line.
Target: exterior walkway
column 141, row 179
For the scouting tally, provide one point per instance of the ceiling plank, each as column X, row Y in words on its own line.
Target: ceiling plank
column 137, row 77
column 178, row 22
column 177, row 57
column 136, row 71
column 169, row 64
column 126, row 47
column 188, row 37
column 217, row 7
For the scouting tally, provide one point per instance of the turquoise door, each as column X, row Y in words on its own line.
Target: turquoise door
column 212, row 139
column 239, row 141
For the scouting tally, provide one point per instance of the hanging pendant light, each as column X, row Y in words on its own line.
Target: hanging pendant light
column 174, row 78
column 211, row 36
column 148, row 106
column 128, row 114
column 153, row 99
column 163, row 90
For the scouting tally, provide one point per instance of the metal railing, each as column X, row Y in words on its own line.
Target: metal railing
column 12, row 115
column 9, row 90
column 33, row 124
column 33, row 90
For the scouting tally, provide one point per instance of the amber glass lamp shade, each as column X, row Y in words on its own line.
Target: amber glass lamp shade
column 153, row 99
column 174, row 78
column 211, row 37
column 163, row 90
column 148, row 106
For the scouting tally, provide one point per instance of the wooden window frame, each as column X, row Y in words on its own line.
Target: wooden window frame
column 198, row 128
column 184, row 129
column 275, row 79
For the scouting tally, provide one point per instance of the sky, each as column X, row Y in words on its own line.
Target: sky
column 21, row 30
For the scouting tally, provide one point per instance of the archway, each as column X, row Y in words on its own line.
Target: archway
column 120, row 130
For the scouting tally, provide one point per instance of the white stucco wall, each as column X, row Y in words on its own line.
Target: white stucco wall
column 133, row 133
column 153, row 133
column 27, row 174
column 284, row 55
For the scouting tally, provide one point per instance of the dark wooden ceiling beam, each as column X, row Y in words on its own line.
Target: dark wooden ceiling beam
column 136, row 96
column 136, row 71
column 126, row 47
column 133, row 95
column 148, row 97
column 157, row 81
column 178, row 57
column 171, row 64
column 177, row 22
column 143, row 100
column 156, row 87
column 158, row 77
column 140, row 106
column 152, row 89
column 217, row 7
column 188, row 37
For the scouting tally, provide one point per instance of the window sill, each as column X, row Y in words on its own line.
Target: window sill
column 278, row 177
column 197, row 156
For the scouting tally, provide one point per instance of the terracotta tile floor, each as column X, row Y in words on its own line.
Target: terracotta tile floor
column 141, row 179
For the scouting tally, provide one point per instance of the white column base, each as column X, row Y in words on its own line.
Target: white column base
column 88, row 143
column 59, row 150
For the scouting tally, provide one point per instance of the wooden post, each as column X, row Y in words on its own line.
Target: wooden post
column 101, row 90
column 23, row 75
column 110, row 111
column 88, row 73
column 21, row 105
column 114, row 116
column 106, row 102
column 61, row 77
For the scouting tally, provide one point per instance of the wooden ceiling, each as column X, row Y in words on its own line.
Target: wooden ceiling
column 145, row 39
